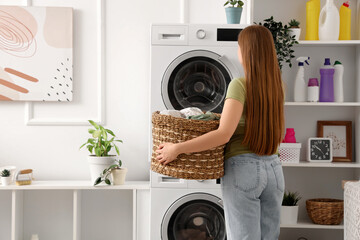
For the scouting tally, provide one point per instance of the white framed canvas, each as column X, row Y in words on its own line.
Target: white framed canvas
column 36, row 53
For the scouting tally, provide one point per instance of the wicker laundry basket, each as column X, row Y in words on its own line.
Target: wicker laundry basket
column 203, row 165
column 325, row 211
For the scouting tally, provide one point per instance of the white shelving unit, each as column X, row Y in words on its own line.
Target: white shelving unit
column 323, row 165
column 310, row 225
column 318, row 180
column 324, row 104
column 68, row 210
column 330, row 43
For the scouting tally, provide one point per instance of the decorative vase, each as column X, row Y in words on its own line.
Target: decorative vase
column 118, row 175
column 233, row 15
column 5, row 181
column 289, row 214
column 295, row 32
column 98, row 164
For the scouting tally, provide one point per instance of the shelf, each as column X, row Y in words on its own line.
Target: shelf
column 329, row 104
column 329, row 43
column 67, row 185
column 308, row 224
column 323, row 165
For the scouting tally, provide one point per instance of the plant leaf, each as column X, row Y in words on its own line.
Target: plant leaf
column 91, row 131
column 112, row 166
column 97, row 181
column 110, row 132
column 97, row 151
column 83, row 145
column 94, row 124
column 107, row 181
column 96, row 134
column 117, row 149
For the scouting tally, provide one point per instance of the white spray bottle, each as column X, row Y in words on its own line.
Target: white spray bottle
column 300, row 86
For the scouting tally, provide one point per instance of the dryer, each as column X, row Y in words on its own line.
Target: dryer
column 191, row 66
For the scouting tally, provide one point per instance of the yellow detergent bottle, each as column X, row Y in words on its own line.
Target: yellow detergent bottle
column 345, row 22
column 312, row 19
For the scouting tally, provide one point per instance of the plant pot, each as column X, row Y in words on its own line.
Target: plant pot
column 5, row 181
column 98, row 164
column 295, row 32
column 233, row 15
column 12, row 170
column 289, row 214
column 118, row 175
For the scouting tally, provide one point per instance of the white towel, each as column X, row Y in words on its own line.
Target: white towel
column 191, row 111
column 173, row 113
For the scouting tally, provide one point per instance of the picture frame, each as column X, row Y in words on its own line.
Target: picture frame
column 341, row 134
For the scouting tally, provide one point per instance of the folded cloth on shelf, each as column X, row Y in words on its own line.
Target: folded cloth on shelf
column 206, row 117
column 191, row 111
column 173, row 113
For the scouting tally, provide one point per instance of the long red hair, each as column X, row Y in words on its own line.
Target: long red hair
column 264, row 123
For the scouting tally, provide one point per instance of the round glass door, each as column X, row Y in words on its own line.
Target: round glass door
column 196, row 79
column 195, row 216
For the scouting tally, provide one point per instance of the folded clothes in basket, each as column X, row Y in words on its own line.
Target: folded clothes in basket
column 206, row 117
column 191, row 113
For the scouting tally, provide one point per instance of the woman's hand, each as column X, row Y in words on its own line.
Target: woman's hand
column 167, row 152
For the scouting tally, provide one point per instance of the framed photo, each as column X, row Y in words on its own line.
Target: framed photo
column 341, row 134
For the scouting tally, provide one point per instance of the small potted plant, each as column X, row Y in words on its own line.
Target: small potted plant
column 283, row 41
column 289, row 208
column 117, row 172
column 5, row 177
column 294, row 29
column 99, row 146
column 233, row 12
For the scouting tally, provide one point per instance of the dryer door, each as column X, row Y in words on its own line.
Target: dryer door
column 195, row 216
column 197, row 78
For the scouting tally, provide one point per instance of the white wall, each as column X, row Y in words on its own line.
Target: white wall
column 53, row 151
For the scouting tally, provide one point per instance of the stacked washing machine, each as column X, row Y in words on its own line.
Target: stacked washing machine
column 191, row 66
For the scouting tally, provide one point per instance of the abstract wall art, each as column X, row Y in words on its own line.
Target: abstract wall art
column 36, row 53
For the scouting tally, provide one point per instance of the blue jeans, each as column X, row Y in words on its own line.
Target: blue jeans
column 252, row 190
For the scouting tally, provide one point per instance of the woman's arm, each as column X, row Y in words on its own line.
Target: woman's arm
column 229, row 120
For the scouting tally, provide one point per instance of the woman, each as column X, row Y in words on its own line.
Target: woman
column 252, row 125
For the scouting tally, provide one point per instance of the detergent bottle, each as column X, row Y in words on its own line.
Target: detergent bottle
column 300, row 86
column 345, row 22
column 338, row 82
column 313, row 90
column 329, row 22
column 327, row 82
column 312, row 19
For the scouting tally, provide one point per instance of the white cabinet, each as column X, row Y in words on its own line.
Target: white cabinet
column 314, row 180
column 75, row 210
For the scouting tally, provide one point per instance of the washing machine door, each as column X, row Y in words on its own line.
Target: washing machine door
column 196, row 78
column 197, row 216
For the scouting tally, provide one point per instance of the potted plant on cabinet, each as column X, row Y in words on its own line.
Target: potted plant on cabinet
column 289, row 208
column 5, row 177
column 117, row 172
column 283, row 41
column 233, row 13
column 294, row 29
column 101, row 145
